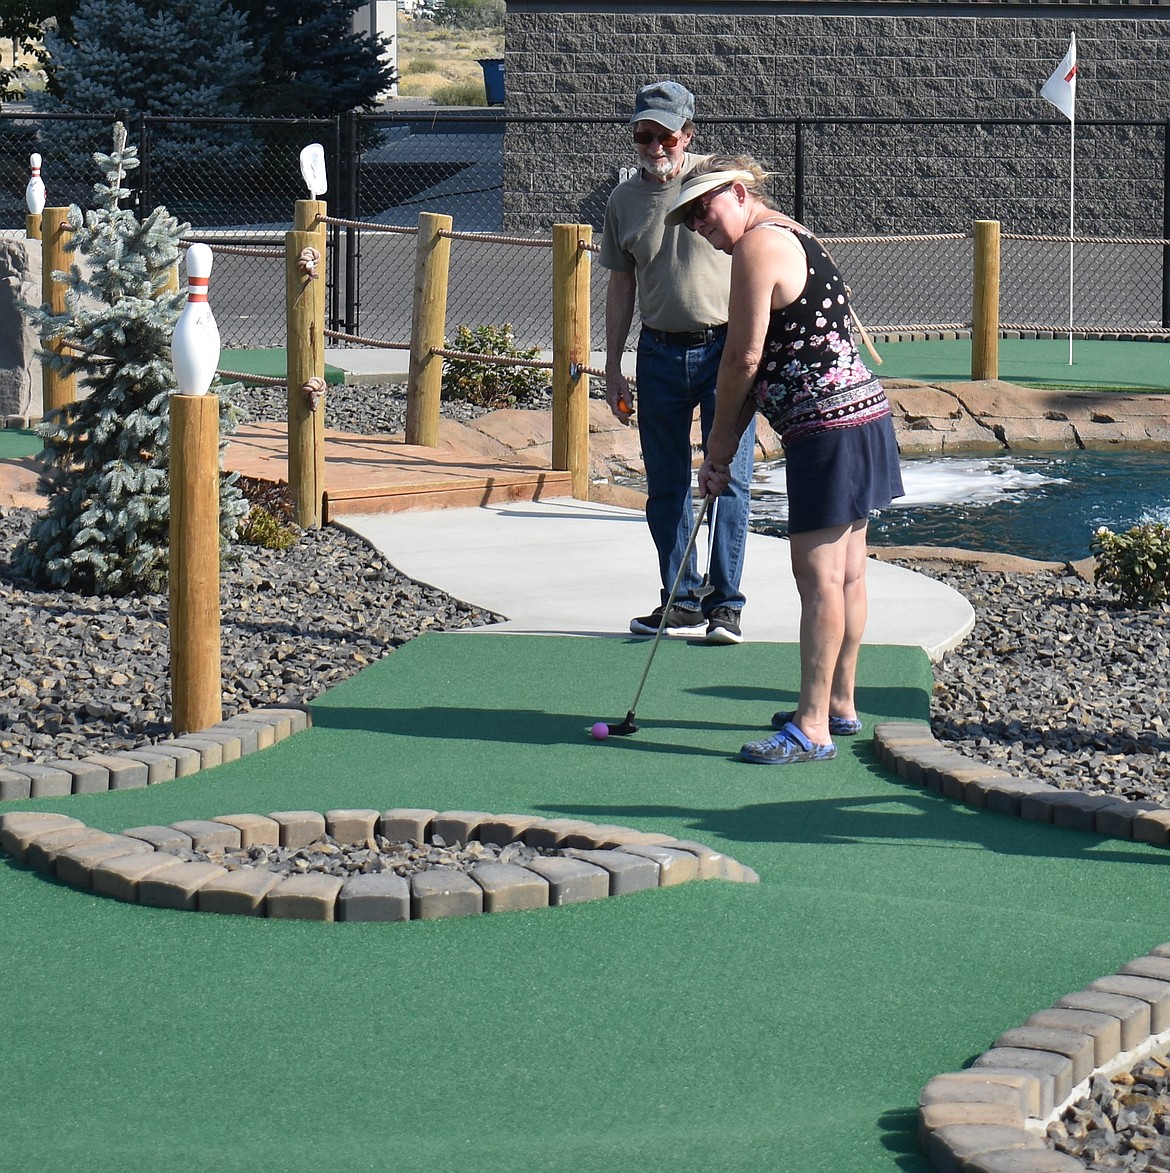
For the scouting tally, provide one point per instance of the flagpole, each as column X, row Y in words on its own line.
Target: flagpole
column 1061, row 90
column 1072, row 147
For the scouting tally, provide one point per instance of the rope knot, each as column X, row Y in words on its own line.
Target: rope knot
column 307, row 261
column 313, row 390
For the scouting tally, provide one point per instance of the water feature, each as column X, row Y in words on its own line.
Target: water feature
column 1039, row 505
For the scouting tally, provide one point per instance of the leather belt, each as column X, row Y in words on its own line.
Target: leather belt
column 687, row 337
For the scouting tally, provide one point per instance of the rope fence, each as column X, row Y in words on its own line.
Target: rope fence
column 495, row 238
column 259, row 380
column 368, row 226
column 924, row 237
column 1087, row 239
column 493, row 360
column 1077, row 331
column 361, row 340
column 237, row 250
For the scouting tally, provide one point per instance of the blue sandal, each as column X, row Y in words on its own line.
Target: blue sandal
column 786, row 747
column 838, row 726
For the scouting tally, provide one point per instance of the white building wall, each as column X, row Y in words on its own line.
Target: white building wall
column 379, row 18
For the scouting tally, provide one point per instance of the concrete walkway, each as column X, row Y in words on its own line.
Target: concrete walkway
column 567, row 567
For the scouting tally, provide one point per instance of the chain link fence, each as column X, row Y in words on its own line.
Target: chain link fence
column 906, row 192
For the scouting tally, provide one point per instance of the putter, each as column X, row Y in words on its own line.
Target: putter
column 705, row 587
column 626, row 727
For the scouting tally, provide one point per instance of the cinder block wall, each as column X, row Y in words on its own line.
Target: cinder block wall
column 752, row 61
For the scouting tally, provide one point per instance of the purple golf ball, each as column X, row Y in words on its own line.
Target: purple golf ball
column 600, row 731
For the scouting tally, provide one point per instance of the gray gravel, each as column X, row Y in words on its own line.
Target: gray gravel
column 1122, row 1123
column 327, row 856
column 366, row 409
column 1060, row 683
column 83, row 674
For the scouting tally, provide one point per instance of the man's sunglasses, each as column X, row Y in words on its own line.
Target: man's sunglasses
column 645, row 137
column 700, row 207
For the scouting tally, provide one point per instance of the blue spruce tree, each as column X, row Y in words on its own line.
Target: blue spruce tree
column 309, row 61
column 106, row 526
column 181, row 59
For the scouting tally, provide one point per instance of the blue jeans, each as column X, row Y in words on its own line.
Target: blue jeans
column 672, row 380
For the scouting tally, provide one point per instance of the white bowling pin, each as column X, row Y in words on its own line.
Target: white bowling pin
column 195, row 345
column 313, row 170
column 34, row 193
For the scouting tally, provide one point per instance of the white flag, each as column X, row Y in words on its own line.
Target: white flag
column 1061, row 88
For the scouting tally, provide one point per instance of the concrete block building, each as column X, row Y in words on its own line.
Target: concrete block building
column 875, row 117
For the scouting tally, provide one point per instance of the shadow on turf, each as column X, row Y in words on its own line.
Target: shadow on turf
column 540, row 727
column 900, row 1137
column 517, row 727
column 909, row 815
column 894, row 703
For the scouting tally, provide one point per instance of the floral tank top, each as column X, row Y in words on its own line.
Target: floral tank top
column 811, row 378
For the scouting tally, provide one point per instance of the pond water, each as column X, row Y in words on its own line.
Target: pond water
column 1042, row 505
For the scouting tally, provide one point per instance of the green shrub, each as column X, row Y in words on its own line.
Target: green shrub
column 261, row 528
column 269, row 520
column 460, row 93
column 487, row 384
column 1136, row 563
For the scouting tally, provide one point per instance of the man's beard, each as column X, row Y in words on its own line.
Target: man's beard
column 659, row 168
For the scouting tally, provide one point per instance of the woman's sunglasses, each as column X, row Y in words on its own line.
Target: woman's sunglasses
column 645, row 137
column 700, row 207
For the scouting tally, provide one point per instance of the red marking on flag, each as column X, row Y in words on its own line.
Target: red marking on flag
column 1071, row 74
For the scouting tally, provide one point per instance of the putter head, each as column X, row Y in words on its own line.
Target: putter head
column 625, row 728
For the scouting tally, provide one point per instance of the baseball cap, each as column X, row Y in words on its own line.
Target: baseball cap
column 665, row 102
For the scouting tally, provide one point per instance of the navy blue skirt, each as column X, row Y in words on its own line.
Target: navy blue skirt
column 840, row 476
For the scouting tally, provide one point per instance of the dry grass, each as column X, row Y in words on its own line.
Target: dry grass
column 436, row 62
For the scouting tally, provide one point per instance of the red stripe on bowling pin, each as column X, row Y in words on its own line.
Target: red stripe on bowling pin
column 34, row 192
column 195, row 345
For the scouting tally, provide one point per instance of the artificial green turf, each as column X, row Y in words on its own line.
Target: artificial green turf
column 1040, row 362
column 16, row 443
column 785, row 1026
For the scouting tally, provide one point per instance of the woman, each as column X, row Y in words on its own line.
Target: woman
column 790, row 354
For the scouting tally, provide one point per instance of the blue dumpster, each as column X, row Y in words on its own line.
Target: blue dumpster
column 493, row 80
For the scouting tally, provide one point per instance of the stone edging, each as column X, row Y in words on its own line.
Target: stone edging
column 160, row 761
column 1028, row 335
column 991, row 1117
column 911, row 751
column 135, row 866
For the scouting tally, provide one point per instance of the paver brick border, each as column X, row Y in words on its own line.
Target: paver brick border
column 992, row 1116
column 601, row 860
column 161, row 761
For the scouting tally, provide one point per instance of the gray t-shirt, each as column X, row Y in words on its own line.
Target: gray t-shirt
column 683, row 282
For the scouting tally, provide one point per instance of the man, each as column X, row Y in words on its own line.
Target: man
column 681, row 287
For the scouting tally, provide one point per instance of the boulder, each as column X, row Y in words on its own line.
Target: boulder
column 20, row 370
column 1031, row 418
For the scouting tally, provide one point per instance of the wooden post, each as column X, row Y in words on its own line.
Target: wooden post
column 424, row 385
column 305, row 218
column 570, row 421
column 59, row 389
column 305, row 325
column 985, row 302
column 32, row 225
column 170, row 283
column 196, row 681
